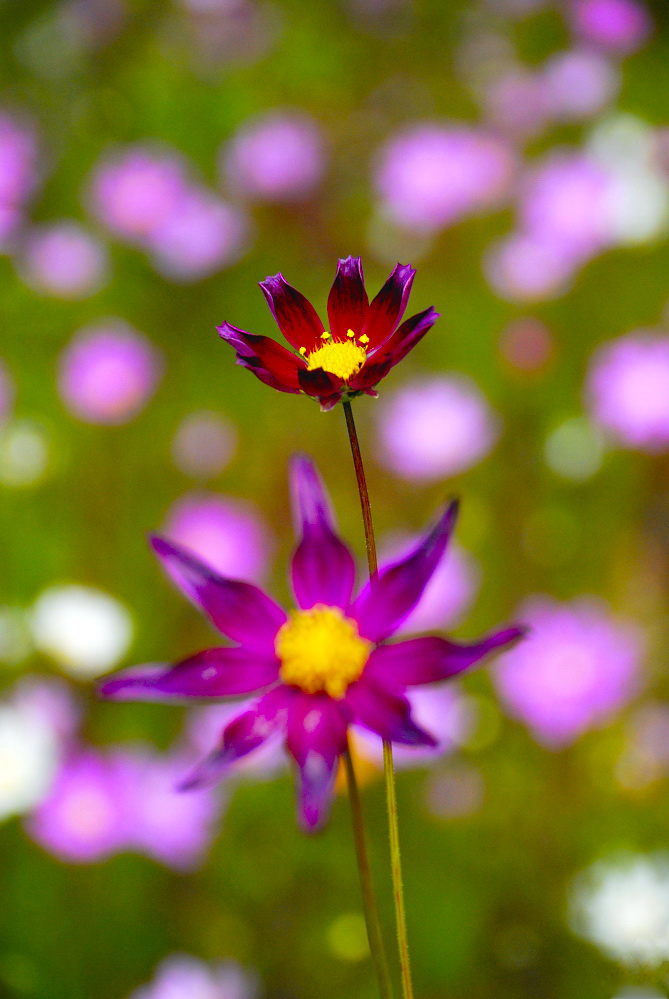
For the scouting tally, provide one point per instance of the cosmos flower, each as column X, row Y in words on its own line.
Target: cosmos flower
column 363, row 343
column 319, row 668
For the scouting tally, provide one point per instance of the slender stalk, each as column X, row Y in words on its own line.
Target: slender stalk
column 388, row 768
column 372, row 921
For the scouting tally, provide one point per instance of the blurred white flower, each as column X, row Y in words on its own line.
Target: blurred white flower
column 85, row 630
column 622, row 906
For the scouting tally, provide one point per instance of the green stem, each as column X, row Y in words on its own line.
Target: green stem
column 388, row 768
column 372, row 921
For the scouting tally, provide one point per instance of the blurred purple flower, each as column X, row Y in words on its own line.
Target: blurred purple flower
column 183, row 977
column 204, row 444
column 7, row 393
column 18, row 160
column 199, row 236
column 84, row 818
column 578, row 84
column 577, row 666
column 108, row 372
column 528, row 268
column 205, row 725
column 228, row 535
column 627, row 390
column 515, row 101
column 63, row 260
column 278, row 156
column 435, row 427
column 620, row 26
column 135, row 190
column 102, row 804
column 432, row 175
column 448, row 595
column 318, row 669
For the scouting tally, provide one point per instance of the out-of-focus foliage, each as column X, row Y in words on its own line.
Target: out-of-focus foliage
column 157, row 159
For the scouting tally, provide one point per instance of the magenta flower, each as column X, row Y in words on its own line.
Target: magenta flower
column 319, row 668
column 363, row 343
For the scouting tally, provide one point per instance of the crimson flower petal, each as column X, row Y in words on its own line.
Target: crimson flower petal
column 430, row 659
column 239, row 610
column 242, row 735
column 386, row 713
column 321, row 385
column 266, row 358
column 406, row 337
column 347, row 301
column 315, row 738
column 296, row 317
column 221, row 672
column 387, row 308
column 323, row 568
column 386, row 601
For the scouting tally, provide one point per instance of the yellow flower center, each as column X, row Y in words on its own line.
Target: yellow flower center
column 320, row 649
column 339, row 357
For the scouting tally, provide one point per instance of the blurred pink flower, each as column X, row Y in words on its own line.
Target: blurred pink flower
column 229, row 535
column 627, row 389
column 578, row 83
column 275, row 157
column 200, row 235
column 63, row 260
column 183, row 977
column 435, row 427
column 108, row 372
column 204, row 444
column 429, row 176
column 124, row 800
column 136, row 188
column 18, row 160
column 620, row 26
column 577, row 666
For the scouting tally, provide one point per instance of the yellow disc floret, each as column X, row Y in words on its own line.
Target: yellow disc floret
column 339, row 357
column 321, row 650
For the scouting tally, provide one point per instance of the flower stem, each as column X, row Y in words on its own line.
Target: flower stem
column 372, row 922
column 388, row 768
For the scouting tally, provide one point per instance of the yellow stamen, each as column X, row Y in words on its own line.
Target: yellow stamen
column 321, row 650
column 303, row 351
column 325, row 335
column 341, row 357
column 363, row 339
column 351, row 334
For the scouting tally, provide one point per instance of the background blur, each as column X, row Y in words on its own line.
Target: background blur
column 157, row 159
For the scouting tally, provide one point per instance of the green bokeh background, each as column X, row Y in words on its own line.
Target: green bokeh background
column 480, row 889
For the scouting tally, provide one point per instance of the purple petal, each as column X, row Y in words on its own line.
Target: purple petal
column 386, row 713
column 385, row 602
column 242, row 735
column 215, row 673
column 387, row 308
column 296, row 317
column 320, row 384
column 427, row 660
column 239, row 610
column 347, row 302
column 315, row 737
column 323, row 569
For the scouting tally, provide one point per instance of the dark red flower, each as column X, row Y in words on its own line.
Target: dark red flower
column 363, row 342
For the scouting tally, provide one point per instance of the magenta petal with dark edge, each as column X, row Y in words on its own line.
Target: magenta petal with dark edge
column 295, row 315
column 323, row 568
column 386, row 601
column 321, row 385
column 406, row 337
column 387, row 713
column 347, row 302
column 214, row 673
column 242, row 735
column 315, row 738
column 239, row 610
column 387, row 308
column 261, row 352
column 430, row 659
